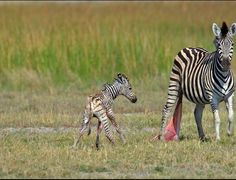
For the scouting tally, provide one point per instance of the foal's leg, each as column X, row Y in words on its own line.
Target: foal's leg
column 102, row 116
column 85, row 124
column 111, row 116
column 99, row 130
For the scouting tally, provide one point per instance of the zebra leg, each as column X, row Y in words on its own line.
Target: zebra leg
column 81, row 133
column 229, row 107
column 99, row 130
column 104, row 120
column 89, row 128
column 198, row 118
column 214, row 106
column 173, row 95
column 85, row 124
column 111, row 116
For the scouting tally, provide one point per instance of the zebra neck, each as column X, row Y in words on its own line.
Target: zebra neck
column 112, row 90
column 219, row 68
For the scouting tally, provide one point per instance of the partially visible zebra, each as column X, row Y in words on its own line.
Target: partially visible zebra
column 100, row 106
column 204, row 78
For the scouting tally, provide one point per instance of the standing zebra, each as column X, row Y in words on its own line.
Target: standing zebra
column 204, row 78
column 100, row 106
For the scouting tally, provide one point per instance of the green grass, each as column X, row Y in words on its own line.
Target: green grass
column 56, row 45
column 30, row 154
column 49, row 156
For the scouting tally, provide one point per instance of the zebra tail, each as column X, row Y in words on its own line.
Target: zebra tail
column 173, row 127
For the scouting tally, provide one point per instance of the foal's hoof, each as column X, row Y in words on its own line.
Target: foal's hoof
column 123, row 141
column 230, row 133
column 155, row 138
column 97, row 147
column 73, row 146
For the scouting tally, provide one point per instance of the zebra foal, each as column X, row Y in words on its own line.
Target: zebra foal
column 204, row 78
column 100, row 106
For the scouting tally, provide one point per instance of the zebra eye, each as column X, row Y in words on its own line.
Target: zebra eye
column 130, row 88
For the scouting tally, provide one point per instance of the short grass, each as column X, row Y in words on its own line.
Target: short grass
column 29, row 154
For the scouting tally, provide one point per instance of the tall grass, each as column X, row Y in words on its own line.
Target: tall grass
column 48, row 45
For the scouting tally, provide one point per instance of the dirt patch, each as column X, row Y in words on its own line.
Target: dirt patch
column 9, row 130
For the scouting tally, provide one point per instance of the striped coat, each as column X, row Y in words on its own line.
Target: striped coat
column 204, row 78
column 100, row 106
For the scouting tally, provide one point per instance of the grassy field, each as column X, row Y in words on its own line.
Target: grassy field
column 53, row 55
column 28, row 153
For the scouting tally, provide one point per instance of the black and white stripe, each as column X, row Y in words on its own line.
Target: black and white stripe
column 204, row 78
column 100, row 106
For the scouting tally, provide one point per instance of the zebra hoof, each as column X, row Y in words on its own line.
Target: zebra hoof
column 203, row 139
column 97, row 146
column 73, row 146
column 124, row 142
column 155, row 138
column 230, row 133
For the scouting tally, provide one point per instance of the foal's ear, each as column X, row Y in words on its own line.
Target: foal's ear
column 120, row 78
column 119, row 75
column 232, row 29
column 216, row 30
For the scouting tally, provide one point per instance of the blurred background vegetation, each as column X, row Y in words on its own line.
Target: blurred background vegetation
column 77, row 45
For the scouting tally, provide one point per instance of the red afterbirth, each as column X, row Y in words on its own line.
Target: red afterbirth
column 172, row 129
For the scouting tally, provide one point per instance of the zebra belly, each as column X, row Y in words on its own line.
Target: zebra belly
column 193, row 89
column 204, row 96
column 195, row 98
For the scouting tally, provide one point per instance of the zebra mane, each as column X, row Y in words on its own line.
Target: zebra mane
column 224, row 29
column 125, row 77
column 106, row 85
column 120, row 75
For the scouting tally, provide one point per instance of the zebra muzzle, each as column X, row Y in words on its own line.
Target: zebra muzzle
column 134, row 100
column 226, row 64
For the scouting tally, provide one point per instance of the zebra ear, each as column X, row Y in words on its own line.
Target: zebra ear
column 119, row 75
column 232, row 29
column 120, row 79
column 216, row 30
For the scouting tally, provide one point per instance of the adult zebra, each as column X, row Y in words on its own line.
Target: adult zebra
column 100, row 106
column 204, row 78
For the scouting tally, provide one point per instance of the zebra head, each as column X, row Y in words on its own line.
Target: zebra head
column 224, row 43
column 125, row 87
